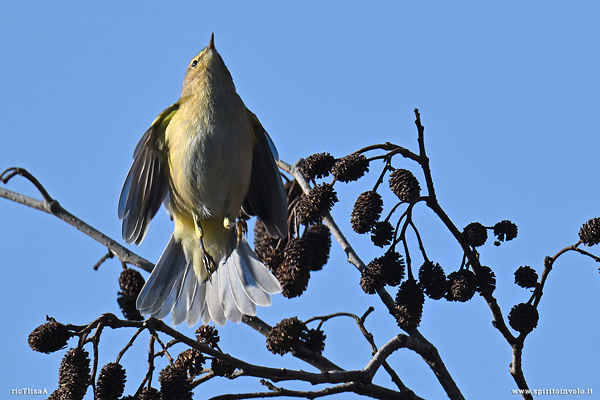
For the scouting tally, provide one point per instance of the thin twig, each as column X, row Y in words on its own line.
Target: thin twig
column 360, row 321
column 108, row 255
column 381, row 176
column 418, row 235
column 392, row 150
column 150, row 325
column 9, row 173
column 148, row 377
column 129, row 344
column 95, row 347
column 585, row 253
column 208, row 376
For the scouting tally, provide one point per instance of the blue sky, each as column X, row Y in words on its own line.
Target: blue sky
column 509, row 94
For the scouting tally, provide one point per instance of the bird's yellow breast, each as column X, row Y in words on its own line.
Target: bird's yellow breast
column 209, row 144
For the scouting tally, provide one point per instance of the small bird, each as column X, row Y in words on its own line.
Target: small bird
column 205, row 158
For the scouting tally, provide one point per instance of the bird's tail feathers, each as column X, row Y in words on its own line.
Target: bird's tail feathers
column 160, row 289
column 239, row 284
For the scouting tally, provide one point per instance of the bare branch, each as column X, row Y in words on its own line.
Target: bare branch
column 435, row 362
column 363, row 376
column 280, row 392
column 9, row 173
column 498, row 320
column 53, row 207
column 516, row 371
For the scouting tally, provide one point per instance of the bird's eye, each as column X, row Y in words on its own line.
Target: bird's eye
column 194, row 63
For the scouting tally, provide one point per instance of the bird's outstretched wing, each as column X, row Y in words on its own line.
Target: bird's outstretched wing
column 266, row 196
column 147, row 182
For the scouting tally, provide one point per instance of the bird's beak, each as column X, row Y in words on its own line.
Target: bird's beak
column 211, row 45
